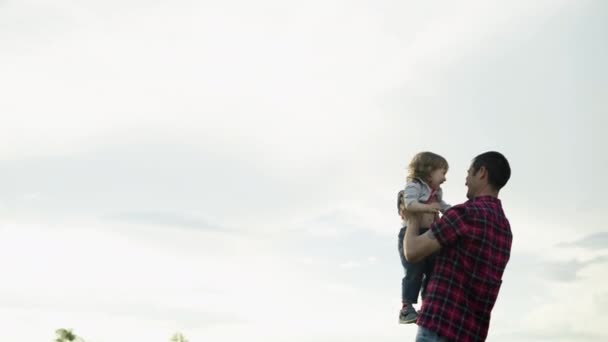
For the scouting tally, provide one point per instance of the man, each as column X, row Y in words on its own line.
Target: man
column 473, row 241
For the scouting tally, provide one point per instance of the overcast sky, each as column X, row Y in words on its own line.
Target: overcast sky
column 229, row 169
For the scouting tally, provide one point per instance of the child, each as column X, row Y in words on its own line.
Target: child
column 423, row 195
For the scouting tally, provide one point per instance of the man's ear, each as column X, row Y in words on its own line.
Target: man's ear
column 483, row 172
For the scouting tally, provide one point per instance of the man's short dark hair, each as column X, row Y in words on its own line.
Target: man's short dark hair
column 497, row 166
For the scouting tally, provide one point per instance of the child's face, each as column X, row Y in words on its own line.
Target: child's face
column 437, row 178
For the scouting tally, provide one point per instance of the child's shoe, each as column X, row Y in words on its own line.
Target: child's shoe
column 408, row 314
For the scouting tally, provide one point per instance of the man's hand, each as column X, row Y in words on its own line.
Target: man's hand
column 407, row 214
column 416, row 246
column 413, row 216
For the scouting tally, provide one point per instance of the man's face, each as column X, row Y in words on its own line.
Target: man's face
column 471, row 182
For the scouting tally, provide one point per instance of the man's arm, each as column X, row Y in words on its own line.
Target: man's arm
column 415, row 206
column 417, row 247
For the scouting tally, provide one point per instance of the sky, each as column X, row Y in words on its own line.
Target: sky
column 229, row 169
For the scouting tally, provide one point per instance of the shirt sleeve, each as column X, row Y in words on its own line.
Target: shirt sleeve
column 412, row 192
column 452, row 226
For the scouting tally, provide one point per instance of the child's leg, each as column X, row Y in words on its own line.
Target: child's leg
column 404, row 263
column 412, row 282
column 407, row 283
column 410, row 285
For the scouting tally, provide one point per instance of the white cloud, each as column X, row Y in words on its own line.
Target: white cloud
column 96, row 278
column 220, row 75
column 217, row 77
column 350, row 265
column 32, row 196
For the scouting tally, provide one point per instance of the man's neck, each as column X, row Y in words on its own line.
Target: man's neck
column 487, row 192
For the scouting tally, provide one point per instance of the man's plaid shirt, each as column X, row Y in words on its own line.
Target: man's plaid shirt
column 475, row 239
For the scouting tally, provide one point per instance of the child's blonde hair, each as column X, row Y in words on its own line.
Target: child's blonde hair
column 423, row 164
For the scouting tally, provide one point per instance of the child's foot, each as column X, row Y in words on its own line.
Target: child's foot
column 408, row 314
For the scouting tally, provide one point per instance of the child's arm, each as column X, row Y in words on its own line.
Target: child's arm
column 411, row 195
column 444, row 206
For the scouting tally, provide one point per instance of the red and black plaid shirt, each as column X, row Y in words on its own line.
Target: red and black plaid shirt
column 475, row 240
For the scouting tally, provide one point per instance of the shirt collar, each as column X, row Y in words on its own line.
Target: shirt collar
column 487, row 198
column 427, row 185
